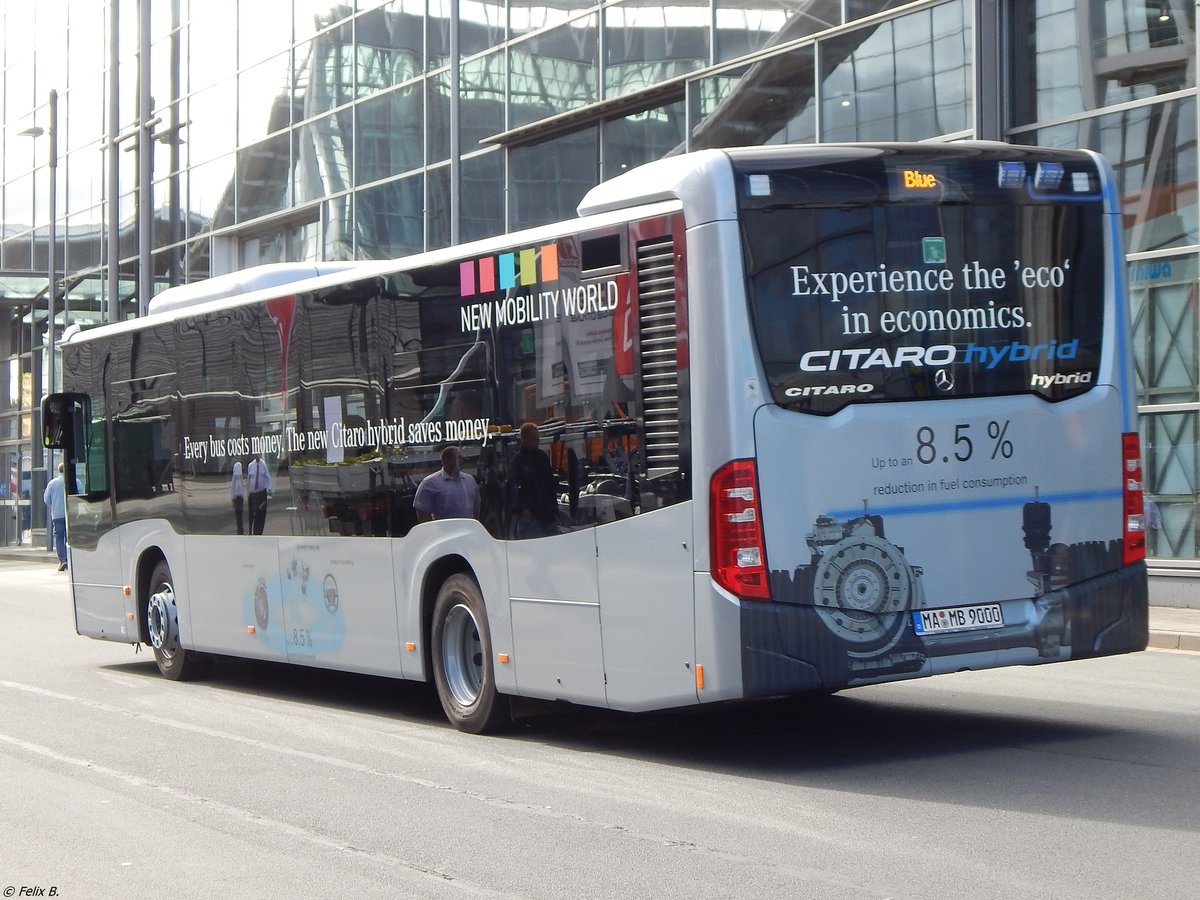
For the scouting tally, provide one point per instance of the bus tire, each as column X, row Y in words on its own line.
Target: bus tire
column 463, row 669
column 162, row 625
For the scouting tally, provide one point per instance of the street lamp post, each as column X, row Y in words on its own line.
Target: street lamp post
column 52, row 231
column 48, row 353
column 52, row 245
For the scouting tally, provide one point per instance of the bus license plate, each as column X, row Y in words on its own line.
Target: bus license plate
column 958, row 618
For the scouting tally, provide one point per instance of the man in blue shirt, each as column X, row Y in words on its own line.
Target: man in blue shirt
column 448, row 493
column 56, row 503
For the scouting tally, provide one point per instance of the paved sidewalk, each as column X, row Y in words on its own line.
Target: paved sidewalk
column 28, row 553
column 1175, row 628
column 1171, row 627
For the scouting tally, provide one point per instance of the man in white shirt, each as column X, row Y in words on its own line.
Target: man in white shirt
column 258, row 485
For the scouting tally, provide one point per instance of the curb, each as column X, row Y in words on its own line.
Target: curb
column 30, row 556
column 1173, row 640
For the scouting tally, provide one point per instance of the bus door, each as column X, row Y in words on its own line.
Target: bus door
column 555, row 610
column 76, row 425
column 645, row 574
column 97, row 568
column 602, row 611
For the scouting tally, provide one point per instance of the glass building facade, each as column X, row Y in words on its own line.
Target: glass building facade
column 188, row 138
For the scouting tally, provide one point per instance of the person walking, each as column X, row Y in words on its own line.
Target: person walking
column 56, row 504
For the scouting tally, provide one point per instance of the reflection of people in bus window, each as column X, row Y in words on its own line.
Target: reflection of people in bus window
column 531, row 486
column 258, row 483
column 237, row 491
column 448, row 493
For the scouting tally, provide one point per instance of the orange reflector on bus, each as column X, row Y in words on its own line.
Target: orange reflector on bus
column 699, row 677
column 126, row 591
column 503, row 657
column 410, row 647
column 249, row 629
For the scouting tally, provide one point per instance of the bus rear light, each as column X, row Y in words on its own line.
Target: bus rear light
column 737, row 556
column 1133, row 499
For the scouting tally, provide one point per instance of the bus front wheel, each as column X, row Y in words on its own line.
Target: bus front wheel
column 162, row 624
column 462, row 659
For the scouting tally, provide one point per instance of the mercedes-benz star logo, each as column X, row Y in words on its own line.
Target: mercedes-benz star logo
column 944, row 380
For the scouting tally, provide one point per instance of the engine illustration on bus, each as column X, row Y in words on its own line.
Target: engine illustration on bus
column 863, row 591
column 870, row 616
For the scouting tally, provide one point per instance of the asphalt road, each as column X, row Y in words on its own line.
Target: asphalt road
column 1075, row 780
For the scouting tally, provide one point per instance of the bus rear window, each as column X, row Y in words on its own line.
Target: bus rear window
column 887, row 297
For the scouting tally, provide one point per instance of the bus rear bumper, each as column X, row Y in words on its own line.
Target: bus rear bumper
column 1109, row 614
column 788, row 648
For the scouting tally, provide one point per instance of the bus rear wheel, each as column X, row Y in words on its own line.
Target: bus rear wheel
column 162, row 624
column 462, row 659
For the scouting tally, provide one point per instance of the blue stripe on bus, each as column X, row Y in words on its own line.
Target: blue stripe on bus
column 913, row 509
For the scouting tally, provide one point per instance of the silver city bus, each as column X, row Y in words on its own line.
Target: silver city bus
column 809, row 417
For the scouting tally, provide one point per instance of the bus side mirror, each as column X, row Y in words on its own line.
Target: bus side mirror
column 63, row 418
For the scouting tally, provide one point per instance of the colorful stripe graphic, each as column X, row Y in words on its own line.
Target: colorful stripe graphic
column 506, row 271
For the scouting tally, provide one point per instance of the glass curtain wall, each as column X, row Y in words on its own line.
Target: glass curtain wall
column 1120, row 78
column 44, row 48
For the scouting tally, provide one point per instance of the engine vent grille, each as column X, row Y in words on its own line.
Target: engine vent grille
column 659, row 366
